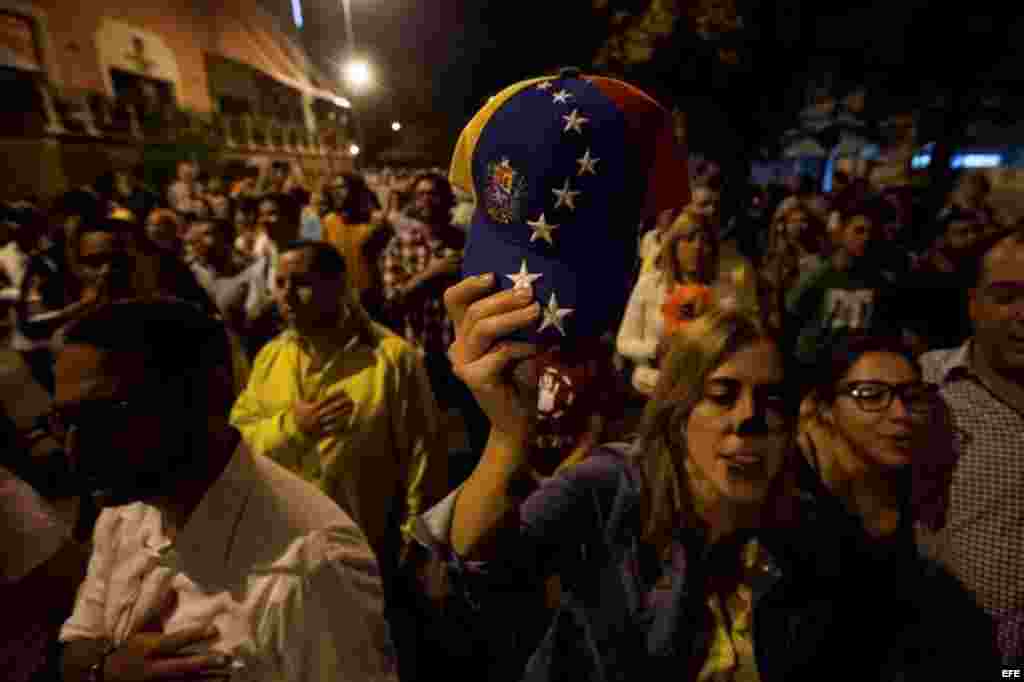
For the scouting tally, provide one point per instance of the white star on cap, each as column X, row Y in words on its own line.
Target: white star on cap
column 553, row 315
column 566, row 196
column 523, row 279
column 541, row 230
column 574, row 121
column 546, row 85
column 562, row 96
column 587, row 164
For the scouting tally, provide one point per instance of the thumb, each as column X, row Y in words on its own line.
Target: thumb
column 161, row 613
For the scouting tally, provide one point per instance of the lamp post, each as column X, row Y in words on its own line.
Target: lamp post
column 357, row 74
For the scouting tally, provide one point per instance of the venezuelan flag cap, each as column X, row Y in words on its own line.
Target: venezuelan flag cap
column 563, row 169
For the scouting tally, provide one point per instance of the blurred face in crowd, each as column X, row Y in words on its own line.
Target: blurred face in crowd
column 738, row 433
column 339, row 191
column 187, row 172
column 997, row 309
column 706, row 203
column 428, row 202
column 694, row 249
column 105, row 255
column 278, row 175
column 962, row 235
column 974, row 189
column 206, row 242
column 665, row 219
column 112, row 428
column 307, row 299
column 245, row 221
column 856, row 235
column 220, row 206
column 797, row 226
column 882, row 409
column 316, row 199
column 215, row 186
column 163, row 232
column 277, row 227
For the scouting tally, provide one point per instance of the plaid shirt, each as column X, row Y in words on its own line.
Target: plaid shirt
column 983, row 540
column 421, row 317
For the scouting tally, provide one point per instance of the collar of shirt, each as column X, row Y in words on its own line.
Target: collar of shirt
column 954, row 363
column 203, row 546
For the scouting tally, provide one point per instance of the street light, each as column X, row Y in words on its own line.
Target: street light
column 353, row 150
column 358, row 74
column 396, row 126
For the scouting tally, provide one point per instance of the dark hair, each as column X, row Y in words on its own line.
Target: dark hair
column 300, row 195
column 225, row 229
column 850, row 348
column 855, row 200
column 359, row 203
column 77, row 202
column 112, row 226
column 177, row 339
column 979, row 264
column 440, row 181
column 248, row 206
column 327, row 260
column 288, row 209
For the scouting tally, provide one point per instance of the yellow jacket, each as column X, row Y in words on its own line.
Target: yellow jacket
column 387, row 462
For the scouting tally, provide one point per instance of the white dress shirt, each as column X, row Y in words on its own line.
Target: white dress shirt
column 31, row 531
column 283, row 573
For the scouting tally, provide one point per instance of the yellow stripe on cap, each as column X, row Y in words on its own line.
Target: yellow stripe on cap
column 460, row 174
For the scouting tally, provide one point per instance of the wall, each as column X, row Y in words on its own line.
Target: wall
column 173, row 30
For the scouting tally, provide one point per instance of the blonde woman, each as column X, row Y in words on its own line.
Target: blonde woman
column 688, row 268
column 686, row 551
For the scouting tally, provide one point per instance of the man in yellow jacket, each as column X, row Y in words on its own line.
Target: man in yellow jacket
column 344, row 403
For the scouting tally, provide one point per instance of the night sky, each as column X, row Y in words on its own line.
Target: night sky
column 439, row 60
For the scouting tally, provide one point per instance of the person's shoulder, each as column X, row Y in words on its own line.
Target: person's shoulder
column 281, row 348
column 651, row 280
column 393, row 348
column 935, row 362
column 297, row 504
column 608, row 467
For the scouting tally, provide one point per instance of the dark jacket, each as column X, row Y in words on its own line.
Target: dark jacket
column 626, row 613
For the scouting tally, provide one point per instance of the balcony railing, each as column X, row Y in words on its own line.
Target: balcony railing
column 41, row 110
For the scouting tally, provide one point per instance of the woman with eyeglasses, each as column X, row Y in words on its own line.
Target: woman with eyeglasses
column 689, row 551
column 861, row 425
column 877, row 452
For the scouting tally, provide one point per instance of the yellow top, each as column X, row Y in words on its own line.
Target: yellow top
column 350, row 240
column 389, row 459
column 731, row 656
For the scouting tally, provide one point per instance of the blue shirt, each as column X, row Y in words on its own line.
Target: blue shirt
column 311, row 228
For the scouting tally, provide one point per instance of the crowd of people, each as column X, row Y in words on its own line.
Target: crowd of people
column 816, row 411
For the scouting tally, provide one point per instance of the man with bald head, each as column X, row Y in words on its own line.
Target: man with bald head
column 982, row 384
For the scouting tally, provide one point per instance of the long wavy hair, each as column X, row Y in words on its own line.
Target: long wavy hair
column 668, row 261
column 661, row 452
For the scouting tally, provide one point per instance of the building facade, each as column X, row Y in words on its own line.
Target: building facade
column 102, row 85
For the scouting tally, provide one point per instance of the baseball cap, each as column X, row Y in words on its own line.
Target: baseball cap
column 563, row 169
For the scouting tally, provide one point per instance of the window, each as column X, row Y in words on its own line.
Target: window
column 18, row 48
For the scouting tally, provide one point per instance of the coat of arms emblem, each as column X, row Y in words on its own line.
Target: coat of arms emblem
column 506, row 190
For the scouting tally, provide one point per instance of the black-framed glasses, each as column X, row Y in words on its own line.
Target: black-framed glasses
column 88, row 414
column 877, row 396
